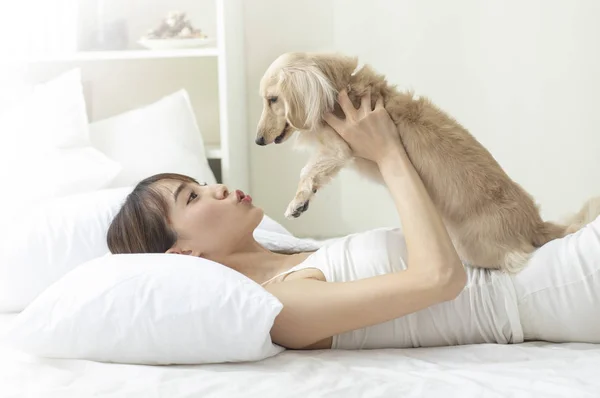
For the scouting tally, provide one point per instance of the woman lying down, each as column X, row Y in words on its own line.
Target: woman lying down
column 376, row 289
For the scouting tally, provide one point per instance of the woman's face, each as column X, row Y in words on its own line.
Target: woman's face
column 209, row 220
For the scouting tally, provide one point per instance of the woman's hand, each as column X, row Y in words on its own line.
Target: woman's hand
column 371, row 134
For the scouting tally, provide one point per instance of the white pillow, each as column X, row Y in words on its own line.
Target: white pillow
column 52, row 115
column 155, row 309
column 45, row 151
column 158, row 138
column 35, row 178
column 270, row 225
column 50, row 239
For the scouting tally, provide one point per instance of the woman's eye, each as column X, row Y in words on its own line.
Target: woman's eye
column 192, row 197
column 272, row 100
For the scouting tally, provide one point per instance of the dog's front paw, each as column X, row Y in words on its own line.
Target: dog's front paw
column 299, row 205
column 295, row 210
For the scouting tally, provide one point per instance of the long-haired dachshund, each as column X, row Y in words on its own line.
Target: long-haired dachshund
column 493, row 221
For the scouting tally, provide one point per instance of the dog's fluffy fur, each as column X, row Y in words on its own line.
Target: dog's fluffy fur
column 493, row 222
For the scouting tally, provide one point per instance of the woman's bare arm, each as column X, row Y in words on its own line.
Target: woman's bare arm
column 315, row 310
column 430, row 249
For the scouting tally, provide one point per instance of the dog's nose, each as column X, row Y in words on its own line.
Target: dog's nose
column 260, row 141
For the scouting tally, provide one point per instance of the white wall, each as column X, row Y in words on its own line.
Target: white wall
column 521, row 76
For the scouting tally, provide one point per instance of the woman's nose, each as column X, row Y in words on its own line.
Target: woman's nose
column 222, row 192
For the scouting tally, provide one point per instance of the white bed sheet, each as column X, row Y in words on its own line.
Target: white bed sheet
column 526, row 370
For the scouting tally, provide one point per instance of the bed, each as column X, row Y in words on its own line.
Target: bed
column 525, row 370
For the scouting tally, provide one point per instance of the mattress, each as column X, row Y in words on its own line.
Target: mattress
column 524, row 370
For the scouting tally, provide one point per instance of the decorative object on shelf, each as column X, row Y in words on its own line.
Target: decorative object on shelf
column 175, row 31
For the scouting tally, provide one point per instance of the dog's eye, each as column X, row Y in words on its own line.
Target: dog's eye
column 272, row 100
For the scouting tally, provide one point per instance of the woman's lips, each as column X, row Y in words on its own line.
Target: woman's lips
column 242, row 197
column 247, row 199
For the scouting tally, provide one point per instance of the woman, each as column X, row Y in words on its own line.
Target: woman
column 377, row 289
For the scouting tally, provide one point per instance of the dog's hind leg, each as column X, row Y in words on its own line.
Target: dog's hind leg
column 488, row 252
column 515, row 261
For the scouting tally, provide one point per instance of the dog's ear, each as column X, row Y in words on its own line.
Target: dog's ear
column 336, row 67
column 307, row 94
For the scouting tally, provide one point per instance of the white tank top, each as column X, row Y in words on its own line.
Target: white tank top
column 485, row 312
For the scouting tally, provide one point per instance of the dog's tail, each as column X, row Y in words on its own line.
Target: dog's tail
column 548, row 231
column 588, row 213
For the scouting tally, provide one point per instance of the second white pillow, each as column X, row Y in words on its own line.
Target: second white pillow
column 162, row 137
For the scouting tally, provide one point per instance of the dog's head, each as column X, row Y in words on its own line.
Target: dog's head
column 297, row 89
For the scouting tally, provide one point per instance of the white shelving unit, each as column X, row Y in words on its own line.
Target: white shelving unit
column 232, row 150
column 128, row 54
column 213, row 151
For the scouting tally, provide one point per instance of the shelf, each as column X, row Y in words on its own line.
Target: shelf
column 124, row 55
column 213, row 151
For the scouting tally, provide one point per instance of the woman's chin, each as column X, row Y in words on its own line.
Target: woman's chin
column 259, row 215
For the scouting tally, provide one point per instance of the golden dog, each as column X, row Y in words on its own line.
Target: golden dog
column 492, row 220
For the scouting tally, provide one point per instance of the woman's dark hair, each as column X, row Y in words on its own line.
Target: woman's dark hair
column 142, row 223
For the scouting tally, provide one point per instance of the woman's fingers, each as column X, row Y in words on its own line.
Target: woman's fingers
column 335, row 122
column 365, row 102
column 379, row 103
column 347, row 105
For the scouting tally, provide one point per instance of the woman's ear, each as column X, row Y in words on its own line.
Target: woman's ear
column 177, row 250
column 307, row 94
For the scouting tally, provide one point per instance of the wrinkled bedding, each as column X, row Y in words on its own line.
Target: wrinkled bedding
column 525, row 370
